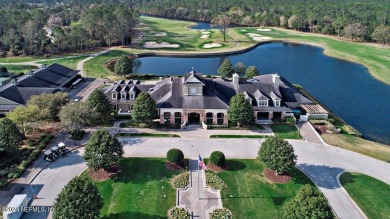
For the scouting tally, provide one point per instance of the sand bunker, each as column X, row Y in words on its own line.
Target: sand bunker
column 205, row 32
column 204, row 36
column 159, row 33
column 211, row 45
column 265, row 30
column 261, row 38
column 254, row 35
column 153, row 45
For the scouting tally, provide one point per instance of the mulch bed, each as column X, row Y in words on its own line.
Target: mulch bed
column 103, row 174
column 321, row 129
column 173, row 166
column 214, row 168
column 274, row 178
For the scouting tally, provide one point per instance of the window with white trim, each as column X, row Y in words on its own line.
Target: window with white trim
column 114, row 96
column 131, row 95
column 123, row 95
column 277, row 102
column 114, row 106
column 263, row 102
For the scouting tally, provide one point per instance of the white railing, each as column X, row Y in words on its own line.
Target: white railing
column 124, row 112
column 183, row 126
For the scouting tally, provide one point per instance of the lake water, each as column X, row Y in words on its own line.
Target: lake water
column 345, row 88
column 201, row 26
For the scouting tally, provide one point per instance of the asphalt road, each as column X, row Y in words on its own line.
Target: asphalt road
column 321, row 163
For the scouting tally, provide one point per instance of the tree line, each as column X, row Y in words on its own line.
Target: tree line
column 36, row 29
column 361, row 21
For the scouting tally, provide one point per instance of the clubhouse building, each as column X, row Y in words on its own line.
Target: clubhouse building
column 193, row 98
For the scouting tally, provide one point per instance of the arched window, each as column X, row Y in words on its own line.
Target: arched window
column 220, row 117
column 209, row 118
column 167, row 118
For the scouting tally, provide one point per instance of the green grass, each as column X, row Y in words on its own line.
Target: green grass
column 238, row 136
column 287, row 131
column 141, row 190
column 19, row 68
column 370, row 194
column 68, row 62
column 375, row 58
column 250, row 195
column 155, row 135
column 96, row 66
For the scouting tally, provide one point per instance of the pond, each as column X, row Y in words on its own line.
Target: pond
column 201, row 26
column 345, row 88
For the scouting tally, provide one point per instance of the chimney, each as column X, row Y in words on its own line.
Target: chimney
column 236, row 79
column 276, row 79
column 160, row 78
column 43, row 66
column 14, row 81
column 31, row 73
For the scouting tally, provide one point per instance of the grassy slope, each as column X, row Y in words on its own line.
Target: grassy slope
column 375, row 58
column 359, row 145
column 68, row 62
column 19, row 68
column 95, row 67
column 372, row 195
column 284, row 130
column 252, row 195
column 138, row 191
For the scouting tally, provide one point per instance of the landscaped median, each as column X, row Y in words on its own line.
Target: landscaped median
column 143, row 134
column 370, row 194
column 238, row 136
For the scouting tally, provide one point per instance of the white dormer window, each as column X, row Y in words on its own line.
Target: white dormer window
column 263, row 102
column 114, row 96
column 277, row 102
column 131, row 95
column 123, row 95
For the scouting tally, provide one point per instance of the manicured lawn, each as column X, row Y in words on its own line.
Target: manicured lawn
column 156, row 135
column 19, row 68
column 375, row 58
column 250, row 195
column 96, row 66
column 68, row 62
column 359, row 145
column 372, row 195
column 284, row 130
column 141, row 190
column 238, row 136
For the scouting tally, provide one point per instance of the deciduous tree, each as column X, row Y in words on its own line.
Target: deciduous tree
column 144, row 109
column 293, row 22
column 240, row 111
column 251, row 72
column 80, row 198
column 307, row 203
column 75, row 115
column 381, row 34
column 222, row 21
column 123, row 66
column 277, row 154
column 49, row 105
column 240, row 68
column 103, row 150
column 226, row 69
column 99, row 101
column 10, row 136
column 24, row 117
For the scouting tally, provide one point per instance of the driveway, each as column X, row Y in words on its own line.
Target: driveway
column 320, row 162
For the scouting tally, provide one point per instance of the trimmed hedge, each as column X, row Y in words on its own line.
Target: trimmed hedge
column 181, row 181
column 221, row 213
column 178, row 213
column 218, row 159
column 214, row 181
column 175, row 156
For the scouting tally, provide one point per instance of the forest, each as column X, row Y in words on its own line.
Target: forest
column 38, row 29
column 33, row 27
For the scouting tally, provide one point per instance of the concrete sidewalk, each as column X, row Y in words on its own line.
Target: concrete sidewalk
column 309, row 133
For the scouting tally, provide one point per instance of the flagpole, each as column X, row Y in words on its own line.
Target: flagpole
column 198, row 174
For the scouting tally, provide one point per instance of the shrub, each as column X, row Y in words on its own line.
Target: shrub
column 214, row 181
column 181, row 181
column 143, row 125
column 217, row 158
column 175, row 156
column 178, row 213
column 290, row 120
column 221, row 213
